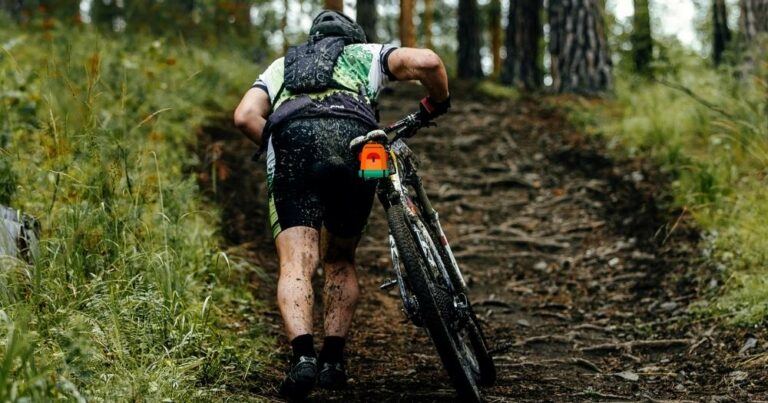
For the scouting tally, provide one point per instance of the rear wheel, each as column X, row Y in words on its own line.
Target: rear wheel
column 435, row 306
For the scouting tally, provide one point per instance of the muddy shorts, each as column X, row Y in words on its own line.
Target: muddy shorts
column 312, row 177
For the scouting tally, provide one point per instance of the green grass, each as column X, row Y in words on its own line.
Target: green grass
column 718, row 155
column 497, row 91
column 131, row 297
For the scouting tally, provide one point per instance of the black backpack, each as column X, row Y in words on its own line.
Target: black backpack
column 309, row 67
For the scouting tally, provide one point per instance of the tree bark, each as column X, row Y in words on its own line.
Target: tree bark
column 337, row 5
column 721, row 34
column 522, row 65
column 494, row 15
column 754, row 19
column 429, row 17
column 753, row 24
column 66, row 11
column 642, row 39
column 407, row 30
column 366, row 17
column 581, row 61
column 13, row 8
column 284, row 26
column 105, row 15
column 469, row 40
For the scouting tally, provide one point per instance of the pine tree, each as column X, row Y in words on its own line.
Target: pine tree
column 366, row 17
column 522, row 65
column 494, row 17
column 641, row 38
column 469, row 40
column 429, row 17
column 753, row 24
column 337, row 5
column 407, row 30
column 753, row 19
column 580, row 58
column 721, row 34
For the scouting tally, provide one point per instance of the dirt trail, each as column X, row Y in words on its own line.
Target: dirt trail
column 583, row 284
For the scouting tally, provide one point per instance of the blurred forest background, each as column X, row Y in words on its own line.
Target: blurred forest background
column 131, row 295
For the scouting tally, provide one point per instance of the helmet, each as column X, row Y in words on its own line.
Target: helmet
column 334, row 23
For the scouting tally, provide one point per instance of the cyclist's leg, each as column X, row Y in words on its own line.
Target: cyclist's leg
column 346, row 201
column 295, row 216
column 297, row 250
column 345, row 218
column 341, row 291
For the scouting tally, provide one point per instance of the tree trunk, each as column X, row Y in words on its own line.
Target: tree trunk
column 366, row 17
column 284, row 26
column 106, row 15
column 13, row 8
column 721, row 34
column 429, row 17
column 580, row 59
column 753, row 24
column 407, row 30
column 641, row 38
column 66, row 11
column 494, row 15
column 754, row 19
column 522, row 65
column 337, row 5
column 469, row 40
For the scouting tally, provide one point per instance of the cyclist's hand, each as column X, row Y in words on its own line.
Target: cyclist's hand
column 430, row 109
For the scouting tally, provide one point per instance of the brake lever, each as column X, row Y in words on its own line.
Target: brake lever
column 408, row 132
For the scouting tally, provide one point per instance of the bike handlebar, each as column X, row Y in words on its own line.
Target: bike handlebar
column 410, row 123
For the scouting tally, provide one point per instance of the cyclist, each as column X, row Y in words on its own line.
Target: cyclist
column 304, row 110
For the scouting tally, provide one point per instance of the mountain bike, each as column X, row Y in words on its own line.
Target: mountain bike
column 433, row 291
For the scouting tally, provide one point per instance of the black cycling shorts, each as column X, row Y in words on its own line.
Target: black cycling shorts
column 312, row 177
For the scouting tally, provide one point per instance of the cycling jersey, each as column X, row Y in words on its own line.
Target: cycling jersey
column 361, row 71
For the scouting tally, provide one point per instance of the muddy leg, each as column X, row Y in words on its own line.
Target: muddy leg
column 341, row 290
column 297, row 249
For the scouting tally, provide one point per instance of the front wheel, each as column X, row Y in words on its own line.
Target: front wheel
column 435, row 306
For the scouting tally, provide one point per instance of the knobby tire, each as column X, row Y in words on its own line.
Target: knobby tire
column 431, row 300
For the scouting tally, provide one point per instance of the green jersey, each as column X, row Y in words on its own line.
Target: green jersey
column 361, row 67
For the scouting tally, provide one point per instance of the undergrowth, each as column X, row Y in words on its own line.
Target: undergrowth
column 709, row 129
column 130, row 298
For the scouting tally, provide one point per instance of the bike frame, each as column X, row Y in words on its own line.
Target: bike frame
column 393, row 190
column 457, row 336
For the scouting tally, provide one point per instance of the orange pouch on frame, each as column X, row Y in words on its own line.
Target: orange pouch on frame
column 373, row 161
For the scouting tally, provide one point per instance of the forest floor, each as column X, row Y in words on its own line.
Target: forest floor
column 586, row 286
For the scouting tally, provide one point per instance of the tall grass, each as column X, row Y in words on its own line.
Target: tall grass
column 130, row 295
column 715, row 144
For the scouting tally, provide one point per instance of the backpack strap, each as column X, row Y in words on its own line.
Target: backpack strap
column 279, row 92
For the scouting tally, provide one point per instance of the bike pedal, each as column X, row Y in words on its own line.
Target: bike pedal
column 388, row 284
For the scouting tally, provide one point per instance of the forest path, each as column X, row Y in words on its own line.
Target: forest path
column 582, row 283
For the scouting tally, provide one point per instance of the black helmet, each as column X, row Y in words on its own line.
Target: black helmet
column 334, row 23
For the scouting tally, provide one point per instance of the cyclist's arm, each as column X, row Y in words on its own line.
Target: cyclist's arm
column 251, row 115
column 423, row 65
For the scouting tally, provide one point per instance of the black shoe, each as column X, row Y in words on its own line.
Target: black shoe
column 300, row 378
column 332, row 376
